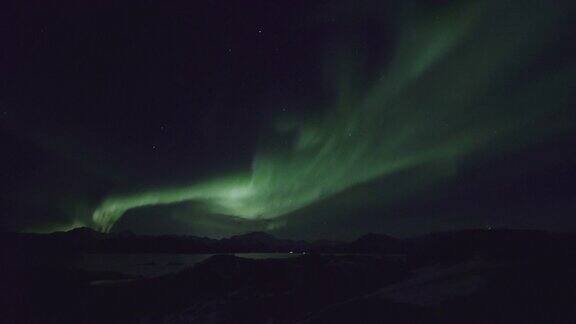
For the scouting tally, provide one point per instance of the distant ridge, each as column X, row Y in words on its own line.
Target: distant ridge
column 454, row 245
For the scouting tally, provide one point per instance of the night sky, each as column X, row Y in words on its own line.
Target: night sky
column 307, row 119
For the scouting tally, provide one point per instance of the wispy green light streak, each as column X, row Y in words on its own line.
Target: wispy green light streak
column 435, row 102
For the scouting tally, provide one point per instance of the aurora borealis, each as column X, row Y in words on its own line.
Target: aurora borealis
column 401, row 121
column 455, row 79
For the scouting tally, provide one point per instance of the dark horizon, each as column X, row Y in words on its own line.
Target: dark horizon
column 128, row 234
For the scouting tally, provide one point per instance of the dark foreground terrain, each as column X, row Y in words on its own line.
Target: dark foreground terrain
column 475, row 276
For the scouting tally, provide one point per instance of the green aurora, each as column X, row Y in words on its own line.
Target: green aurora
column 447, row 91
